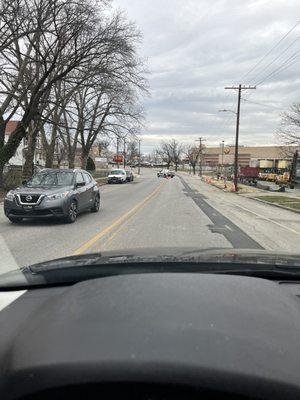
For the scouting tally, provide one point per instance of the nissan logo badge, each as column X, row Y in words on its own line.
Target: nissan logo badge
column 28, row 198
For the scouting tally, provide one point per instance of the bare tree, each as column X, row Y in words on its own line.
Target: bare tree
column 59, row 38
column 289, row 131
column 171, row 152
column 132, row 151
column 176, row 152
column 165, row 153
column 193, row 154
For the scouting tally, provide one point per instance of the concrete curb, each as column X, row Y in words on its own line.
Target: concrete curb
column 274, row 204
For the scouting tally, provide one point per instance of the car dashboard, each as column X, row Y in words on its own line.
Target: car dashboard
column 152, row 336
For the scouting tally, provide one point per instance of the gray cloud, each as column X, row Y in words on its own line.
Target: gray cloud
column 196, row 47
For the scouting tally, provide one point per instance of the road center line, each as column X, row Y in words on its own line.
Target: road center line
column 118, row 222
column 268, row 219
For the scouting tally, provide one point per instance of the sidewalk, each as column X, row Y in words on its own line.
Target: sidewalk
column 289, row 200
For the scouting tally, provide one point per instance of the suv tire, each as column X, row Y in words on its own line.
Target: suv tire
column 72, row 212
column 96, row 205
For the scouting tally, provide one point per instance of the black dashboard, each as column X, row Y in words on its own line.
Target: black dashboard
column 153, row 336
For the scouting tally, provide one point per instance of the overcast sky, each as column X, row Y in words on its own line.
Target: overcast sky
column 193, row 48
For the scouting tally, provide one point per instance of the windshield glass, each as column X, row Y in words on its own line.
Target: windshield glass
column 117, row 172
column 149, row 127
column 51, row 179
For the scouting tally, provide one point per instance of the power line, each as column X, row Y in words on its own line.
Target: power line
column 261, row 104
column 276, row 58
column 282, row 67
column 269, row 52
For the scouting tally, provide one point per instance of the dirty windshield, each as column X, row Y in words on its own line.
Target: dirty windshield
column 50, row 179
column 148, row 128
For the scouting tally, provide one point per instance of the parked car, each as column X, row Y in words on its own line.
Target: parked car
column 129, row 176
column 117, row 176
column 53, row 193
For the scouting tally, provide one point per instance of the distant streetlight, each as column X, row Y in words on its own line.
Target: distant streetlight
column 139, row 167
column 228, row 111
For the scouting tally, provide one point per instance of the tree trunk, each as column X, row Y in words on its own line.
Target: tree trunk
column 176, row 167
column 28, row 168
column 84, row 158
column 1, row 176
column 71, row 159
column 50, row 155
column 49, row 147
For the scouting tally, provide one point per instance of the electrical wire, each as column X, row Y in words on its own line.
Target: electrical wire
column 292, row 59
column 270, row 51
column 276, row 58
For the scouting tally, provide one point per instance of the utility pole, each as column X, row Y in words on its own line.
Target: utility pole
column 124, row 153
column 222, row 159
column 118, row 152
column 200, row 140
column 139, row 168
column 236, row 152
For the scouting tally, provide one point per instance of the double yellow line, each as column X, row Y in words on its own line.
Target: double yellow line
column 119, row 222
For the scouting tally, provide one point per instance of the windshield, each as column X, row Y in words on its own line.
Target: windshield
column 51, row 179
column 117, row 172
column 149, row 128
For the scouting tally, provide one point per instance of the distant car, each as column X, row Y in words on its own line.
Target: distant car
column 129, row 176
column 165, row 173
column 61, row 193
column 117, row 176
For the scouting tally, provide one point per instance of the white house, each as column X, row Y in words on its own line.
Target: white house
column 18, row 158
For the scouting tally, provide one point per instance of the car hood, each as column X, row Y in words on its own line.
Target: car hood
column 181, row 254
column 47, row 190
column 74, row 269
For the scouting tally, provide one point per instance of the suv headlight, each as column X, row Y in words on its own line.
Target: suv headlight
column 57, row 196
column 10, row 195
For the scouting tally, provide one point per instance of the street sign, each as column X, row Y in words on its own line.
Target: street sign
column 118, row 159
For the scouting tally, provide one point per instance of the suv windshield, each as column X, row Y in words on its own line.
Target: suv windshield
column 51, row 179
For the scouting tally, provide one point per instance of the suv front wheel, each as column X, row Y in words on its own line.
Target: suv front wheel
column 72, row 212
column 96, row 205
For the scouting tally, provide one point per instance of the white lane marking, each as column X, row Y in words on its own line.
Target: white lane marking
column 6, row 298
column 228, row 227
column 8, row 262
column 270, row 220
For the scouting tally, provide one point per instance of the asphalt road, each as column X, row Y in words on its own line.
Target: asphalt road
column 152, row 212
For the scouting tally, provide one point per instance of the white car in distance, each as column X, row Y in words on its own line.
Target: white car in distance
column 117, row 176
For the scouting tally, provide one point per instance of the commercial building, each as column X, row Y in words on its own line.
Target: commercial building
column 256, row 156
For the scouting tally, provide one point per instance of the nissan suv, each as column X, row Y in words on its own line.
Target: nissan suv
column 57, row 193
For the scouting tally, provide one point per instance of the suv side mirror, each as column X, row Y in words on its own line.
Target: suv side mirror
column 79, row 184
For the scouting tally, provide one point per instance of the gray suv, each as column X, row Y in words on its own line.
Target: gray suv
column 60, row 193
